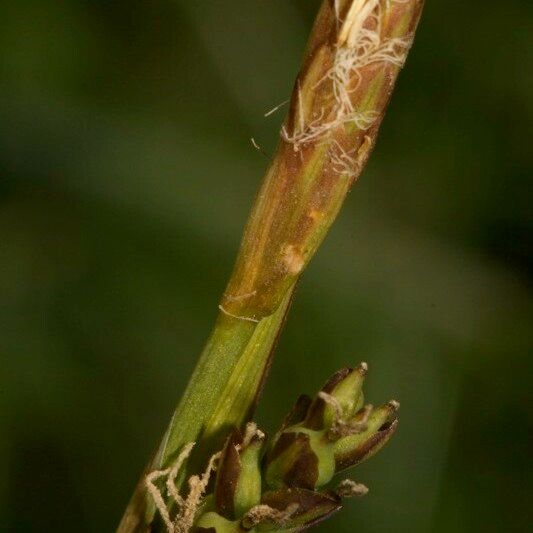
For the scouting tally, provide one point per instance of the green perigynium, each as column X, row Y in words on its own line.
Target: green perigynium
column 238, row 483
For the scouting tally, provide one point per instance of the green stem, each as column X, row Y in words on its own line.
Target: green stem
column 226, row 382
column 222, row 393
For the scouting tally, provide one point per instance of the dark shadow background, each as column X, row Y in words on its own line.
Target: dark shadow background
column 126, row 175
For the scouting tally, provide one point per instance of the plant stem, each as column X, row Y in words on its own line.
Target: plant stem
column 221, row 394
column 227, row 381
column 354, row 55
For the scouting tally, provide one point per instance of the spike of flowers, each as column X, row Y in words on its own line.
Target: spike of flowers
column 281, row 491
column 284, row 491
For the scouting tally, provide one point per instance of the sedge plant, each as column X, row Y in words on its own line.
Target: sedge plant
column 354, row 54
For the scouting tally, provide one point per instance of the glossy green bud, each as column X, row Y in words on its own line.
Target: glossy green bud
column 345, row 388
column 380, row 426
column 238, row 482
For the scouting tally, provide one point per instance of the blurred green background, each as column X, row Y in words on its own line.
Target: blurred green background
column 126, row 175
